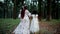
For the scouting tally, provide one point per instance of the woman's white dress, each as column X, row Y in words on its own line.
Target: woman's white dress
column 34, row 24
column 23, row 27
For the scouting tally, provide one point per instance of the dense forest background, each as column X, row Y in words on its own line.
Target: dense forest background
column 48, row 14
column 49, row 9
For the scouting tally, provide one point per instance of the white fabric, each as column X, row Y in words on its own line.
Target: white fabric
column 23, row 27
column 19, row 15
column 34, row 24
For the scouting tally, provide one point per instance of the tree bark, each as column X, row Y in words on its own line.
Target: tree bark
column 53, row 9
column 48, row 10
column 14, row 10
column 4, row 11
column 39, row 10
column 57, row 17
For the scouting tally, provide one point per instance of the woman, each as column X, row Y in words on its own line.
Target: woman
column 23, row 27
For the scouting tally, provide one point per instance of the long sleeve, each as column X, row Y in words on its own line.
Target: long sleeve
column 28, row 13
column 19, row 16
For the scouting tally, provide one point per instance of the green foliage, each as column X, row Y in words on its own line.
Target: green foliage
column 8, row 25
column 52, row 21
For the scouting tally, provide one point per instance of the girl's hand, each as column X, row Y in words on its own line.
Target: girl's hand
column 30, row 17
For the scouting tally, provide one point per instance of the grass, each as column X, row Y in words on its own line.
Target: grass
column 7, row 25
column 52, row 22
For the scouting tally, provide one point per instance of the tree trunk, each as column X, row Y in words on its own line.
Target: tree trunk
column 14, row 10
column 53, row 9
column 48, row 10
column 39, row 9
column 4, row 11
column 57, row 17
column 22, row 1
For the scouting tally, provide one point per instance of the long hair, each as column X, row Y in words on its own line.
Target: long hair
column 23, row 12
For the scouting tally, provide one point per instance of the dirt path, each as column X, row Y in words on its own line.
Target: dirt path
column 46, row 28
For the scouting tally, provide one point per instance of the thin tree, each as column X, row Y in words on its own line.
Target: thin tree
column 39, row 9
column 48, row 10
column 53, row 9
column 57, row 17
column 16, row 3
column 6, row 3
column 14, row 10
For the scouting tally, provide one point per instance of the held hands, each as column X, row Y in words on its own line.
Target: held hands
column 30, row 17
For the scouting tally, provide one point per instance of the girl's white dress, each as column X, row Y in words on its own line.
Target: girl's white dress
column 34, row 24
column 23, row 27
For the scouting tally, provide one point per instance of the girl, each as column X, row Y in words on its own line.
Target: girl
column 34, row 23
column 23, row 27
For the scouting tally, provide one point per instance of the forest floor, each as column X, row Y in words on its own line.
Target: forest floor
column 46, row 27
column 49, row 27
